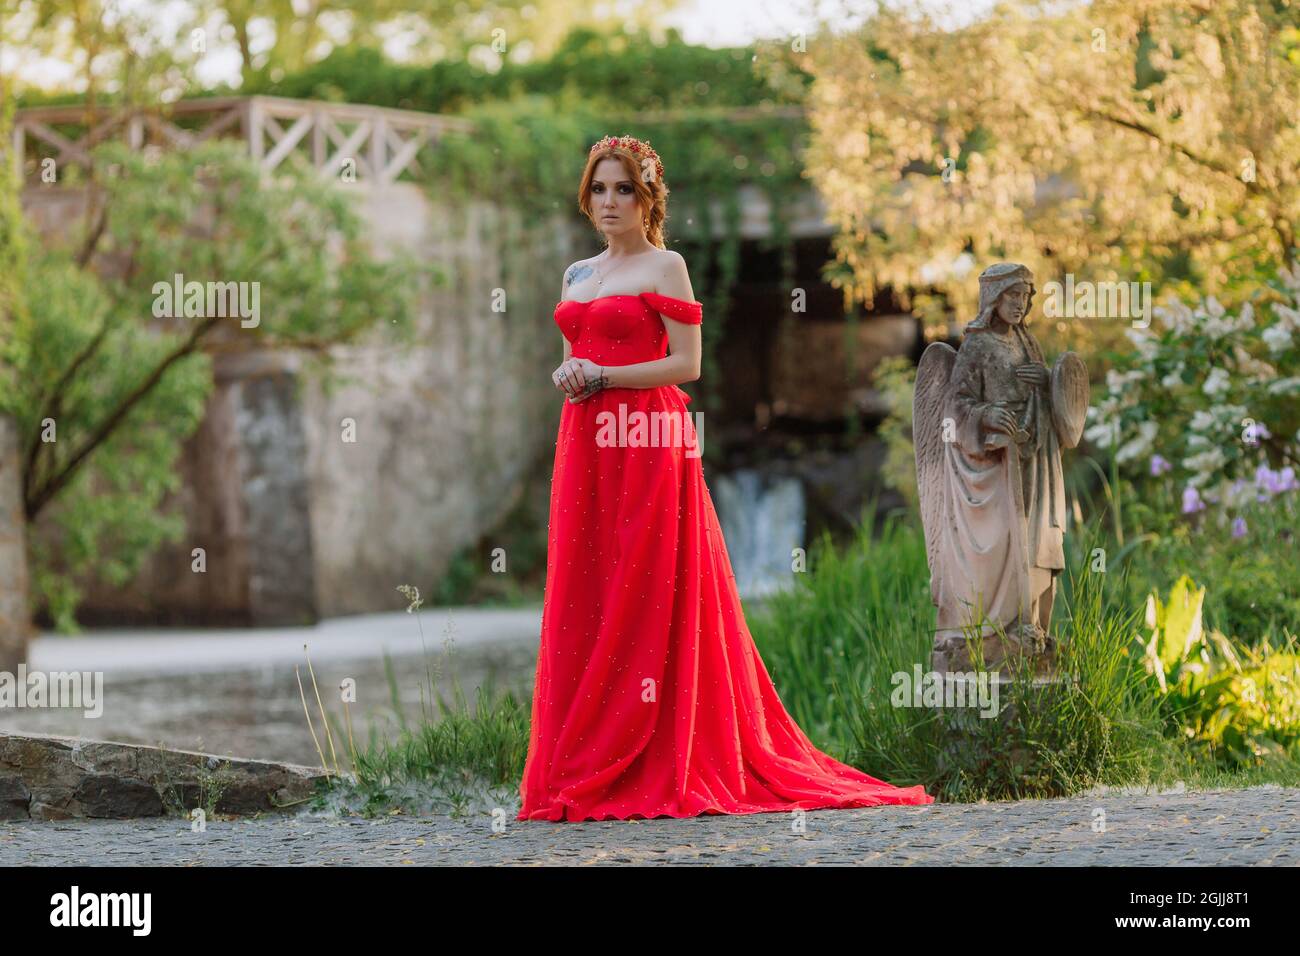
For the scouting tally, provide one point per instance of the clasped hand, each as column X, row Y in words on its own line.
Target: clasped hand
column 1032, row 374
column 572, row 376
column 1000, row 419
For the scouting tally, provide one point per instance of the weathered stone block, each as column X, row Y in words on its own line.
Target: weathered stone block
column 59, row 778
column 15, row 798
column 15, row 621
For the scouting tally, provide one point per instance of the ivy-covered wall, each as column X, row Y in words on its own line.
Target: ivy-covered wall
column 723, row 120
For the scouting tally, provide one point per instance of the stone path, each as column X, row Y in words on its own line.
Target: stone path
column 181, row 651
column 235, row 692
column 1259, row 826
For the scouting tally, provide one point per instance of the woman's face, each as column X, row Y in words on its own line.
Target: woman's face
column 1013, row 304
column 613, row 199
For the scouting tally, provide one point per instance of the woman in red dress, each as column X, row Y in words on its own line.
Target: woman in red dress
column 650, row 698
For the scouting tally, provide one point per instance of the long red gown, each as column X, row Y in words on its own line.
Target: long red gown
column 650, row 697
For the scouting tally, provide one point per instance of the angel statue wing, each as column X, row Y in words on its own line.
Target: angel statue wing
column 928, row 401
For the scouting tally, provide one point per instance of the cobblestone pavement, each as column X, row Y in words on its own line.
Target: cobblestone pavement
column 1258, row 826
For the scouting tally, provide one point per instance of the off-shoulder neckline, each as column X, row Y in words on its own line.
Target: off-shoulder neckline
column 625, row 295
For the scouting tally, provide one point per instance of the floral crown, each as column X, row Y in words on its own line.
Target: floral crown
column 637, row 147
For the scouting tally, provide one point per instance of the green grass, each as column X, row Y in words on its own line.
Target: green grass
column 457, row 758
column 861, row 614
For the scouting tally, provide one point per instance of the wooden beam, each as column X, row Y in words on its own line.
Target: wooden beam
column 404, row 154
column 60, row 142
column 396, row 136
column 253, row 122
column 291, row 139
column 348, row 148
column 378, row 149
column 19, row 150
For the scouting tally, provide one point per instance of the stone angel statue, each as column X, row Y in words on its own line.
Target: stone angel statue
column 988, row 425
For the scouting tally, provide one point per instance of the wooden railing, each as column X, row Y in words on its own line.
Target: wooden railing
column 365, row 144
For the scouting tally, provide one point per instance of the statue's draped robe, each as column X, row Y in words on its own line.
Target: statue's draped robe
column 1004, row 503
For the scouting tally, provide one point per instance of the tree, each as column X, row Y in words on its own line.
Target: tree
column 1124, row 140
column 136, row 52
column 14, row 621
column 113, row 374
column 486, row 31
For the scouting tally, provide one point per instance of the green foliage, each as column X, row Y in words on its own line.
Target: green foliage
column 720, row 118
column 106, row 519
column 1112, row 141
column 528, row 150
column 895, row 377
column 485, row 742
column 1209, row 396
column 1092, row 726
column 457, row 758
column 604, row 68
column 850, row 622
column 1239, row 704
column 1177, row 651
column 1253, row 715
column 1248, row 557
column 859, row 617
column 208, row 213
column 108, row 390
column 13, row 253
column 1203, row 429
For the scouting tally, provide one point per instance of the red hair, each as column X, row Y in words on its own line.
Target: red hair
column 651, row 193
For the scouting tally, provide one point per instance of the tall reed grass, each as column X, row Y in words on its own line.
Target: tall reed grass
column 863, row 614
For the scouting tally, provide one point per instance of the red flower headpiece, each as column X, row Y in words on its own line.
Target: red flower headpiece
column 639, row 150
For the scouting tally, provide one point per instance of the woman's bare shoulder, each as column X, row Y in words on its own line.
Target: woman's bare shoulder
column 669, row 259
column 671, row 275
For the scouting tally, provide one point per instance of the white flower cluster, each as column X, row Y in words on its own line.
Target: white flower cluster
column 1291, row 278
column 1105, row 416
column 1278, row 337
column 1217, row 382
column 1207, row 353
column 1140, row 445
column 1209, row 318
column 1210, row 431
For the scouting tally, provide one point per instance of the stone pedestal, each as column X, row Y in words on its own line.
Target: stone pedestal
column 975, row 735
column 1006, row 654
column 15, row 620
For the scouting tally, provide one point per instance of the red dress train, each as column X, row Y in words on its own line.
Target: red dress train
column 650, row 698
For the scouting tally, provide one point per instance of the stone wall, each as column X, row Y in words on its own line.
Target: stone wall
column 447, row 429
column 298, row 523
column 15, row 624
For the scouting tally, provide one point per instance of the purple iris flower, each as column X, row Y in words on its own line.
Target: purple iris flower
column 1276, row 482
